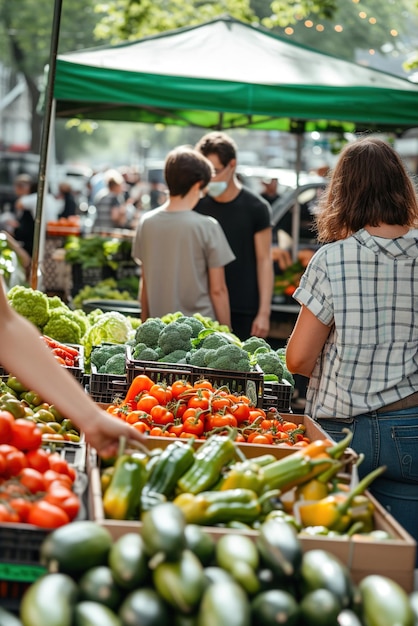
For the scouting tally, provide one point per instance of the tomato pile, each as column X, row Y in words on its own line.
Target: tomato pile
column 185, row 410
column 65, row 355
column 36, row 485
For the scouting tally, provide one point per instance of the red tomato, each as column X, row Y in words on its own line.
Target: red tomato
column 240, row 411
column 58, row 464
column 50, row 476
column 38, row 459
column 176, row 428
column 220, row 402
column 161, row 415
column 32, row 479
column 142, row 427
column 203, row 384
column 163, row 393
column 16, row 461
column 8, row 514
column 193, row 425
column 47, row 515
column 64, row 498
column 180, row 387
column 221, row 420
column 22, row 507
column 146, row 402
column 136, row 416
column 3, row 465
column 6, row 426
column 26, row 435
column 199, row 401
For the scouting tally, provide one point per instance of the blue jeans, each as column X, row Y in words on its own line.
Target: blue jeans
column 390, row 439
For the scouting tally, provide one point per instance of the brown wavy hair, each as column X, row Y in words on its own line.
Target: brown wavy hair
column 369, row 186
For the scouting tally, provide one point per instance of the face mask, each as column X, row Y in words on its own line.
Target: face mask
column 216, row 188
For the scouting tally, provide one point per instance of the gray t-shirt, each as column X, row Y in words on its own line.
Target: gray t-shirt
column 176, row 250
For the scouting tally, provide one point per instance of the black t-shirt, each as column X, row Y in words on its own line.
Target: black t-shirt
column 240, row 219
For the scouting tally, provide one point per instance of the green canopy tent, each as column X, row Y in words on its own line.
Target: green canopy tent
column 229, row 74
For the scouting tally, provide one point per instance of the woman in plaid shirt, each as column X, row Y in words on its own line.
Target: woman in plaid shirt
column 356, row 336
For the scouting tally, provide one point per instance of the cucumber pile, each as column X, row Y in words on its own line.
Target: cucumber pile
column 174, row 574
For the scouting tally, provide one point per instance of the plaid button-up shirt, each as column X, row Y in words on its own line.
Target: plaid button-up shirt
column 366, row 289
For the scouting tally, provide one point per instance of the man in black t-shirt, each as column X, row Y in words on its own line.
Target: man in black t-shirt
column 246, row 220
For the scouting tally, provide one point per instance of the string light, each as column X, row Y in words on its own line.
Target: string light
column 363, row 15
column 372, row 20
column 394, row 32
column 289, row 30
column 308, row 24
column 338, row 28
column 371, row 51
column 320, row 28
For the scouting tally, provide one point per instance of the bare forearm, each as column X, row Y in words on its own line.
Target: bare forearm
column 220, row 303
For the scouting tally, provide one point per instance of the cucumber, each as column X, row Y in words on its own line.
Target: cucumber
column 279, row 547
column 99, row 585
column 322, row 570
column 384, row 602
column 238, row 555
column 268, row 605
column 144, row 607
column 8, row 619
column 94, row 614
column 180, row 584
column 320, row 608
column 214, row 574
column 163, row 531
column 224, row 604
column 49, row 601
column 128, row 561
column 76, row 547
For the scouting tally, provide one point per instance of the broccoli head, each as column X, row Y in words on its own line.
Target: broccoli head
column 55, row 302
column 289, row 377
column 149, row 331
column 214, row 341
column 116, row 365
column 31, row 304
column 175, row 336
column 174, row 357
column 270, row 363
column 143, row 353
column 228, row 357
column 253, row 343
column 197, row 357
column 62, row 327
column 195, row 324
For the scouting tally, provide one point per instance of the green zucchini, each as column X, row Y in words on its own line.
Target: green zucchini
column 98, row 585
column 238, row 555
column 128, row 561
column 8, row 619
column 319, row 608
column 279, row 547
column 268, row 605
column 413, row 598
column 200, row 542
column 49, row 601
column 384, row 602
column 94, row 614
column 224, row 604
column 347, row 617
column 322, row 570
column 163, row 531
column 76, row 547
column 172, row 463
column 181, row 583
column 144, row 607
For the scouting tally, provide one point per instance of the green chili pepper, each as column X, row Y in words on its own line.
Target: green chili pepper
column 32, row 398
column 216, row 507
column 122, row 497
column 170, row 466
column 16, row 385
column 209, row 460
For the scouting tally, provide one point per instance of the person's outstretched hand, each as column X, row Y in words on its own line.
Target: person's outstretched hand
column 103, row 431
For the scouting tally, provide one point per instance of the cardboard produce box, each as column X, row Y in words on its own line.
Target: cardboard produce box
column 394, row 557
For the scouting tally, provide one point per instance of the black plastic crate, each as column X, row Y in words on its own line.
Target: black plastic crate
column 106, row 388
column 250, row 384
column 156, row 370
column 278, row 395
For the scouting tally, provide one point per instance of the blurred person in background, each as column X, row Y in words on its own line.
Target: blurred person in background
column 69, row 206
column 270, row 190
column 110, row 204
column 246, row 220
